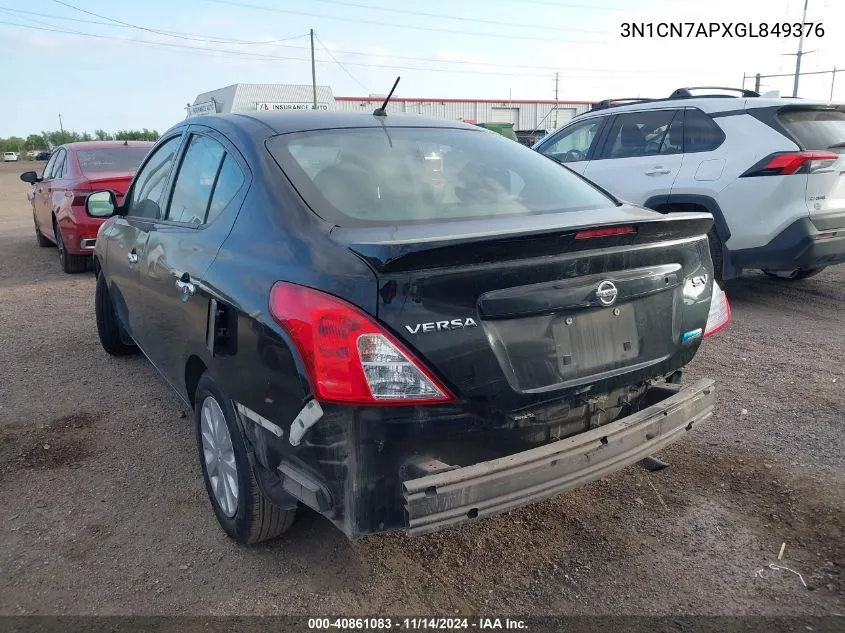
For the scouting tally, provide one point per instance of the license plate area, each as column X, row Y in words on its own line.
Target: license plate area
column 599, row 339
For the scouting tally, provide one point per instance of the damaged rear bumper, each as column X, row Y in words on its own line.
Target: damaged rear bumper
column 483, row 489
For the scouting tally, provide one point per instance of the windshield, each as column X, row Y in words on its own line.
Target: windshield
column 404, row 175
column 816, row 129
column 93, row 161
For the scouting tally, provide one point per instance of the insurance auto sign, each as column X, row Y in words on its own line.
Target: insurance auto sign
column 267, row 106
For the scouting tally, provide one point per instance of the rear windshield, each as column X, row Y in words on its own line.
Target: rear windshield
column 93, row 161
column 816, row 129
column 401, row 175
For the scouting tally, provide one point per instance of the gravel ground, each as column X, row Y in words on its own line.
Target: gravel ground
column 102, row 509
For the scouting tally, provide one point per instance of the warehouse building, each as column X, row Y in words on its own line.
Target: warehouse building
column 524, row 114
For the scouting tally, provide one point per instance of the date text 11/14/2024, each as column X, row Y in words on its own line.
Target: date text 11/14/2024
column 421, row 623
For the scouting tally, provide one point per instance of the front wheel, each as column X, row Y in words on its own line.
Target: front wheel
column 796, row 274
column 239, row 505
column 108, row 327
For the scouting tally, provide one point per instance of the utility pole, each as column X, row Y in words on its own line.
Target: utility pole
column 757, row 83
column 313, row 72
column 800, row 52
column 832, row 81
column 557, row 78
column 61, row 128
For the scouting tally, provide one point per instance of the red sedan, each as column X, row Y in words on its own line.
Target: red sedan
column 58, row 195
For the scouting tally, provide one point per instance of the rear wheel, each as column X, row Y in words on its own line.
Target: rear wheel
column 239, row 505
column 796, row 274
column 715, row 252
column 70, row 263
column 39, row 237
column 108, row 326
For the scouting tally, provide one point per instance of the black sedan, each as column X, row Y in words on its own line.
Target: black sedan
column 401, row 322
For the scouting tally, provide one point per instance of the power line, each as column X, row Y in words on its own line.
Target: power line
column 185, row 36
column 351, row 76
column 277, row 42
column 475, row 20
column 404, row 26
column 230, row 53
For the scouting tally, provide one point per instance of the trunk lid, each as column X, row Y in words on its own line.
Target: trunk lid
column 117, row 181
column 514, row 309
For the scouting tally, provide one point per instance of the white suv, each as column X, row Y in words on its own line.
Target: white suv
column 771, row 171
column 9, row 157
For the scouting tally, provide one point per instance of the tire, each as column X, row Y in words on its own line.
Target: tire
column 716, row 253
column 71, row 264
column 39, row 237
column 243, row 512
column 108, row 326
column 796, row 274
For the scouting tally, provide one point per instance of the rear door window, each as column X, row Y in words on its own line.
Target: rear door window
column 815, row 129
column 401, row 175
column 644, row 133
column 207, row 181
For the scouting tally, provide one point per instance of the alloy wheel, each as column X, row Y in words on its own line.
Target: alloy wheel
column 219, row 455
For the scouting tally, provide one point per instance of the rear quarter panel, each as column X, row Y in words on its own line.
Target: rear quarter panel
column 755, row 209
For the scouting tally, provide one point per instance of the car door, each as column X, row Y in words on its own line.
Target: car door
column 37, row 193
column 204, row 200
column 127, row 233
column 43, row 193
column 640, row 156
column 574, row 144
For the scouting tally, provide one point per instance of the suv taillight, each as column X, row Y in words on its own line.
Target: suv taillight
column 788, row 163
column 720, row 312
column 348, row 356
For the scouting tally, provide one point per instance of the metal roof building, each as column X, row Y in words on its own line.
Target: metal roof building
column 524, row 114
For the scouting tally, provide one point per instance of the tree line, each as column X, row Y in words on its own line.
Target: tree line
column 50, row 139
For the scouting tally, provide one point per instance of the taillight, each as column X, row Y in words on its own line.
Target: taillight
column 349, row 358
column 788, row 163
column 605, row 232
column 720, row 312
column 77, row 196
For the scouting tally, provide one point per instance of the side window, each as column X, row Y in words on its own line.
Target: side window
column 574, row 144
column 62, row 169
column 639, row 134
column 56, row 169
column 48, row 168
column 228, row 184
column 701, row 134
column 149, row 183
column 195, row 180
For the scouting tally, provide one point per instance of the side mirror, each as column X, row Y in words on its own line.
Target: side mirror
column 101, row 204
column 30, row 176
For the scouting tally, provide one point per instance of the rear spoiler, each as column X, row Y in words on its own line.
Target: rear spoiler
column 416, row 247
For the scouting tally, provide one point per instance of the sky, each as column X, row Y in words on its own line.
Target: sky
column 128, row 65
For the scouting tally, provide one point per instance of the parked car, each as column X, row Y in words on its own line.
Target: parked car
column 505, row 129
column 9, row 157
column 58, row 195
column 530, row 137
column 767, row 169
column 42, row 156
column 390, row 356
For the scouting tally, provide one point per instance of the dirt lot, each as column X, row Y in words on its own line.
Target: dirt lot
column 102, row 509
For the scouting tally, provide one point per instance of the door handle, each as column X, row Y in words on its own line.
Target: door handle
column 658, row 171
column 132, row 256
column 186, row 289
